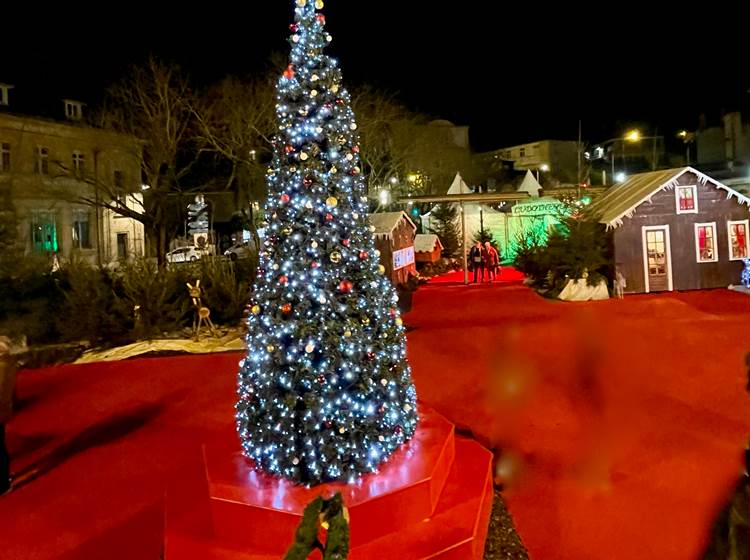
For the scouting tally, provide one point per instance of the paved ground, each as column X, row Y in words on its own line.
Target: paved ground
column 622, row 422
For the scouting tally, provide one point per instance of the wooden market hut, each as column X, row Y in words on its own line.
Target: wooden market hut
column 394, row 238
column 676, row 229
column 427, row 248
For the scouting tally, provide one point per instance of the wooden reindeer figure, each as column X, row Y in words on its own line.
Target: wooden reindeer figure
column 202, row 313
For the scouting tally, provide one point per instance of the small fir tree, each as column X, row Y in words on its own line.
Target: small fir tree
column 444, row 219
column 325, row 392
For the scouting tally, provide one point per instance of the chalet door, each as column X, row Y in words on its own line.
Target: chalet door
column 657, row 259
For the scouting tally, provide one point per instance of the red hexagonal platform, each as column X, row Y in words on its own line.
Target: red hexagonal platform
column 432, row 499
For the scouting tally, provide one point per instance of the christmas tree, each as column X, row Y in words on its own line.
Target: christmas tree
column 325, row 392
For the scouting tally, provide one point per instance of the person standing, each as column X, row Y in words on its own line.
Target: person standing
column 477, row 262
column 493, row 260
column 7, row 384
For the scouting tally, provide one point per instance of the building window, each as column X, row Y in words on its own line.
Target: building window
column 43, row 232
column 4, row 157
column 119, row 181
column 41, row 165
column 686, row 199
column 705, row 243
column 522, row 152
column 4, row 89
column 73, row 110
column 79, row 161
column 737, row 234
column 81, row 230
column 122, row 246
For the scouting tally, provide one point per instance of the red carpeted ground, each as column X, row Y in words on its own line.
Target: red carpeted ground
column 626, row 418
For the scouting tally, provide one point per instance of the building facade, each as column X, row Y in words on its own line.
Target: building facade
column 58, row 176
column 558, row 158
column 676, row 229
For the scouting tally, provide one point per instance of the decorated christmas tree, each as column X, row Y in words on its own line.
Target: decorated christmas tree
column 325, row 392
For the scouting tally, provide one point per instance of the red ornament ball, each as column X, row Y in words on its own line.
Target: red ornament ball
column 328, row 424
column 308, row 182
column 346, row 286
column 294, row 27
column 315, row 264
column 321, row 19
column 355, row 149
column 346, row 242
column 286, row 308
column 363, row 255
column 288, row 148
column 321, row 378
column 398, row 430
column 339, row 102
column 329, row 217
column 285, row 198
column 283, row 280
column 370, row 356
column 392, row 311
column 289, row 72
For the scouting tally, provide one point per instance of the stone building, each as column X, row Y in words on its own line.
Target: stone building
column 56, row 175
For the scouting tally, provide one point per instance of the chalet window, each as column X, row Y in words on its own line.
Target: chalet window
column 41, row 165
column 522, row 152
column 4, row 157
column 79, row 161
column 738, row 241
column 705, row 243
column 81, row 230
column 687, row 199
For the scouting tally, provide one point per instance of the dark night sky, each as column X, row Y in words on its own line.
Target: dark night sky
column 514, row 72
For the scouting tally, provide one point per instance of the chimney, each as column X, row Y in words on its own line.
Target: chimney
column 4, row 97
column 73, row 109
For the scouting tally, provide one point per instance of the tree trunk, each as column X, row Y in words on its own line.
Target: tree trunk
column 161, row 244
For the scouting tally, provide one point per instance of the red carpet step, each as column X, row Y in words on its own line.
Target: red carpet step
column 432, row 499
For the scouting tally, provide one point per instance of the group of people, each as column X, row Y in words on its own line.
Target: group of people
column 484, row 259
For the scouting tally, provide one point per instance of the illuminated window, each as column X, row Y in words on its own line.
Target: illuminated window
column 43, row 232
column 41, row 165
column 705, row 242
column 4, row 157
column 737, row 234
column 687, row 199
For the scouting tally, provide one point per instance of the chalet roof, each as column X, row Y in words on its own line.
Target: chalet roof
column 426, row 243
column 386, row 222
column 622, row 200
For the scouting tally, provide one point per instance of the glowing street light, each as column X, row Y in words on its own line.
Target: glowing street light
column 633, row 136
column 394, row 180
column 544, row 168
column 620, row 177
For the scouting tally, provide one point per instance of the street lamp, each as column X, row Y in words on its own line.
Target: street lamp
column 687, row 139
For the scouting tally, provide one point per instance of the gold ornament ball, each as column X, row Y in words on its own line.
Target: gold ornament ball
column 270, row 348
column 332, row 202
column 301, row 3
column 347, row 334
column 303, row 156
column 314, row 93
column 335, row 88
column 399, row 321
column 342, row 430
column 335, row 257
column 310, row 348
column 319, row 4
column 255, row 310
column 381, row 269
column 365, row 321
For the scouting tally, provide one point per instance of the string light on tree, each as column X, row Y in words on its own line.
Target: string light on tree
column 325, row 391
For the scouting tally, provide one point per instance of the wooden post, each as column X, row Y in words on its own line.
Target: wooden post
column 463, row 244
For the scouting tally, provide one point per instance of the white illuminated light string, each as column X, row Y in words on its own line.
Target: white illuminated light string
column 325, row 391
